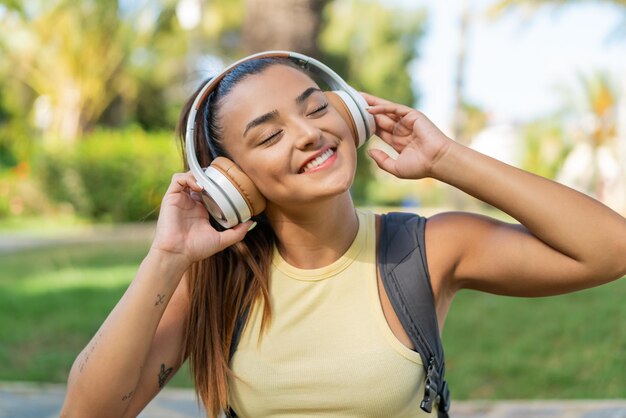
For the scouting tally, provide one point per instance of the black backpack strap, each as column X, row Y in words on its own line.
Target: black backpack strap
column 404, row 273
column 239, row 324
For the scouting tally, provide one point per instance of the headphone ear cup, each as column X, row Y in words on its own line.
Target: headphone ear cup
column 359, row 120
column 246, row 196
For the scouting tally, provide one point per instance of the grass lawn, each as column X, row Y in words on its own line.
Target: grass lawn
column 574, row 346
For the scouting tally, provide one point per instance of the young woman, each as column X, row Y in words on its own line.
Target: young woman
column 322, row 338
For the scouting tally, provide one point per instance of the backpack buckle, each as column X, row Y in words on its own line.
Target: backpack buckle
column 430, row 387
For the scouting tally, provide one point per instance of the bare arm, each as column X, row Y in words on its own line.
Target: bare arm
column 138, row 347
column 567, row 241
column 104, row 378
column 166, row 352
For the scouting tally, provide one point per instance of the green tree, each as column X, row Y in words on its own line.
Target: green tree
column 89, row 60
column 71, row 53
column 373, row 45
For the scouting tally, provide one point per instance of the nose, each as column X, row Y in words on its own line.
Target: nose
column 307, row 134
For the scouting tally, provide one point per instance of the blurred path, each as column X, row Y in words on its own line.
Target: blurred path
column 23, row 400
column 18, row 241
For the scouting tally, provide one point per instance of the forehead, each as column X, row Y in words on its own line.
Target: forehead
column 264, row 92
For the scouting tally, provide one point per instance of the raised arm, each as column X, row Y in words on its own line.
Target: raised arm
column 139, row 345
column 566, row 240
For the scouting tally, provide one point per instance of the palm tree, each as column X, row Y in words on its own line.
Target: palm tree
column 74, row 55
column 459, row 116
column 601, row 102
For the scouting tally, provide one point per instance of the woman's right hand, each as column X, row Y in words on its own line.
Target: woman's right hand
column 183, row 229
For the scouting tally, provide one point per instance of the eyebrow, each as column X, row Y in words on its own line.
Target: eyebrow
column 269, row 116
column 261, row 119
column 305, row 94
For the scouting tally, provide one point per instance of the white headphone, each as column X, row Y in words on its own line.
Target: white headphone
column 229, row 195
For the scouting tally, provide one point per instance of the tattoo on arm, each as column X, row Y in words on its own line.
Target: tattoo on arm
column 160, row 299
column 164, row 374
column 87, row 352
column 128, row 395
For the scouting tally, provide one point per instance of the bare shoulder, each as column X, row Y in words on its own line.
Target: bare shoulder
column 447, row 234
column 450, row 238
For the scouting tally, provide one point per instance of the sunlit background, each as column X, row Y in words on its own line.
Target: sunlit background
column 91, row 90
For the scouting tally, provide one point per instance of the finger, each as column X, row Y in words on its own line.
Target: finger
column 385, row 123
column 196, row 196
column 234, row 234
column 390, row 109
column 383, row 161
column 373, row 100
column 392, row 140
column 183, row 181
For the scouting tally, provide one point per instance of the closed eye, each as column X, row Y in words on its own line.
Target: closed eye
column 319, row 109
column 272, row 138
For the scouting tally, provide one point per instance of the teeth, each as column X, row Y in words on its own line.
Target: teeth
column 319, row 160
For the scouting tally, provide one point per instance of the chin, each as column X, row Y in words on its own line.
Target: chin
column 338, row 186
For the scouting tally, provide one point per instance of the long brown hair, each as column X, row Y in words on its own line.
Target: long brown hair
column 224, row 285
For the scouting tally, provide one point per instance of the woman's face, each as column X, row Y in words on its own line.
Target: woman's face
column 282, row 132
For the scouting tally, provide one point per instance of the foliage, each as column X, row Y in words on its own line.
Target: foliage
column 71, row 53
column 473, row 119
column 112, row 175
column 601, row 99
column 20, row 195
column 372, row 46
column 17, row 139
column 546, row 147
column 103, row 62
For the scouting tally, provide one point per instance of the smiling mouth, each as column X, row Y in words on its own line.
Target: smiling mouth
column 318, row 161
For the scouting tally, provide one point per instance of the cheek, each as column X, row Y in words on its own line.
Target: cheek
column 341, row 128
column 266, row 174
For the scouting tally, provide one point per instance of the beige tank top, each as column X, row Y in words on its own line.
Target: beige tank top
column 329, row 351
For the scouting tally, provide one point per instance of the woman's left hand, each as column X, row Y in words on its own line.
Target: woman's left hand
column 419, row 143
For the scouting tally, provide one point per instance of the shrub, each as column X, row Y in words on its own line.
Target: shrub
column 110, row 175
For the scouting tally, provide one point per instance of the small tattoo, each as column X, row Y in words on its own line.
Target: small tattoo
column 128, row 395
column 164, row 374
column 160, row 299
column 87, row 353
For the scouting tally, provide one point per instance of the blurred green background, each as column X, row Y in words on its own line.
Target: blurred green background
column 90, row 93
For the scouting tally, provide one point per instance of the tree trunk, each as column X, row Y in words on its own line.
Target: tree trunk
column 459, row 116
column 279, row 24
